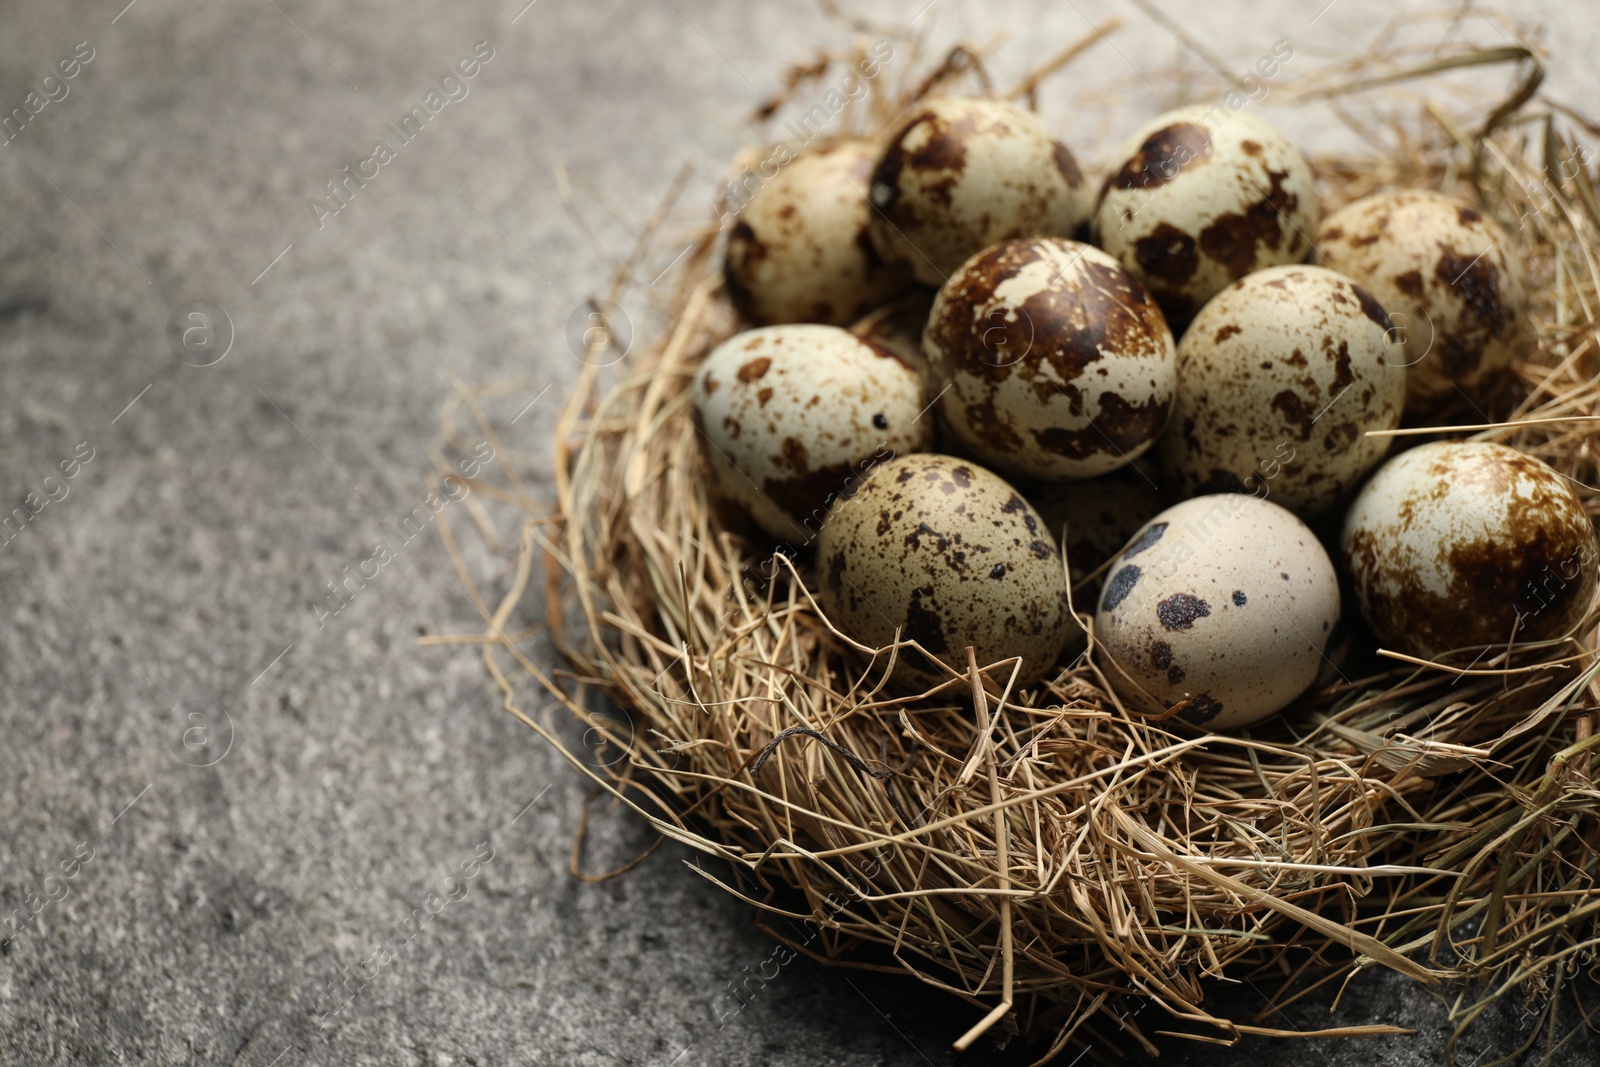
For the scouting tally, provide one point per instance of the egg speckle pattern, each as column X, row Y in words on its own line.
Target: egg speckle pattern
column 1199, row 198
column 1058, row 363
column 953, row 556
column 794, row 416
column 1457, row 544
column 964, row 173
column 1221, row 607
column 1443, row 273
column 1279, row 378
column 799, row 251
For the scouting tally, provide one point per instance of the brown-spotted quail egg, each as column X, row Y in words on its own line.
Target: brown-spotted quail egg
column 1444, row 275
column 795, row 416
column 1458, row 544
column 1201, row 197
column 1049, row 360
column 799, row 250
column 963, row 173
column 1098, row 516
column 952, row 556
column 1220, row 607
column 1279, row 378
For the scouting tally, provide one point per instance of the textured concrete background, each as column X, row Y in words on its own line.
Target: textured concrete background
column 199, row 913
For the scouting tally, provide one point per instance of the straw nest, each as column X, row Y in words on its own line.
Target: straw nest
column 1044, row 854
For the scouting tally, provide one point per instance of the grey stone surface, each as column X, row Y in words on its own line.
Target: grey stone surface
column 182, row 568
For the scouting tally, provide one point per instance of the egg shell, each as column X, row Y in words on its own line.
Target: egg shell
column 953, row 556
column 1202, row 196
column 1279, row 378
column 1458, row 544
column 1442, row 271
column 1049, row 360
column 799, row 251
column 963, row 173
column 1223, row 605
column 794, row 416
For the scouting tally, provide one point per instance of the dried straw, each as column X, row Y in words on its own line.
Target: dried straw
column 1044, row 854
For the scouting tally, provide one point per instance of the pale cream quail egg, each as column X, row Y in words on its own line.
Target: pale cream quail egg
column 963, row 173
column 1442, row 271
column 799, row 250
column 1220, row 607
column 952, row 556
column 1280, row 377
column 1049, row 360
column 1458, row 544
column 1201, row 197
column 793, row 417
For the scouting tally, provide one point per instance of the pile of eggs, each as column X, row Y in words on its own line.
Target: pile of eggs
column 999, row 407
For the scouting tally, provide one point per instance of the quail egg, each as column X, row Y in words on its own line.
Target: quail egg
column 1220, row 607
column 794, row 416
column 1201, row 197
column 1458, row 544
column 952, row 556
column 963, row 173
column 1444, row 275
column 799, row 250
column 1049, row 360
column 1279, row 378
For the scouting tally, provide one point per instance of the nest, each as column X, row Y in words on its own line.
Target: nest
column 1047, row 854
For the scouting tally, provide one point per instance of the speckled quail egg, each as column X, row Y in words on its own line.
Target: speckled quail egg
column 952, row 556
column 794, row 417
column 799, row 250
column 1098, row 516
column 964, row 173
column 1220, row 607
column 1443, row 273
column 1458, row 544
column 1201, row 197
column 1279, row 378
column 898, row 326
column 1049, row 360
